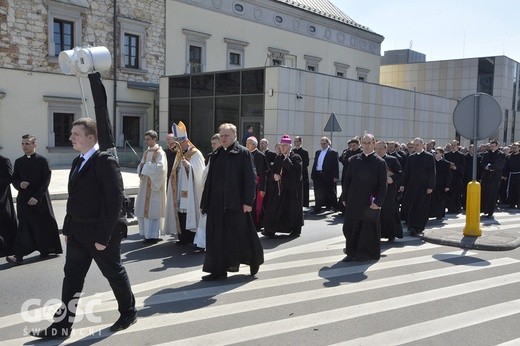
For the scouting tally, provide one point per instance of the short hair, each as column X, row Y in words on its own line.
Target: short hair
column 228, row 126
column 326, row 140
column 152, row 134
column 353, row 140
column 418, row 139
column 253, row 140
column 31, row 138
column 371, row 136
column 382, row 142
column 441, row 149
column 89, row 126
column 298, row 138
column 215, row 136
column 249, row 127
column 264, row 140
column 493, row 141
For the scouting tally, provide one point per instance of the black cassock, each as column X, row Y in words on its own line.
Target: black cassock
column 262, row 169
column 231, row 237
column 492, row 165
column 304, row 154
column 37, row 228
column 365, row 181
column 390, row 222
column 442, row 180
column 454, row 199
column 284, row 211
column 512, row 174
column 419, row 175
column 8, row 221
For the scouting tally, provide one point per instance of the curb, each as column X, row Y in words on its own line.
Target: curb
column 491, row 240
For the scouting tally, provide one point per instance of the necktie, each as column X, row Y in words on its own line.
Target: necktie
column 78, row 166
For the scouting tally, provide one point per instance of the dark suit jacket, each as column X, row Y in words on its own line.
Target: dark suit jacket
column 95, row 200
column 330, row 168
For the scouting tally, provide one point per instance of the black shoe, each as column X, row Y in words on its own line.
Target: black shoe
column 316, row 210
column 348, row 259
column 54, row 331
column 412, row 231
column 268, row 234
column 294, row 234
column 253, row 269
column 124, row 322
column 14, row 260
column 214, row 277
column 391, row 239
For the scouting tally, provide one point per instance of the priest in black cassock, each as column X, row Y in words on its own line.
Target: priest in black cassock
column 304, row 154
column 8, row 222
column 38, row 230
column 284, row 211
column 512, row 174
column 458, row 168
column 493, row 162
column 418, row 184
column 262, row 169
column 443, row 175
column 391, row 227
column 363, row 194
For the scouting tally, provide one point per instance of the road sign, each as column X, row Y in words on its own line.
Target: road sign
column 332, row 124
column 477, row 116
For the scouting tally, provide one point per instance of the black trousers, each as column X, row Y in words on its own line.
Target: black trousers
column 324, row 191
column 80, row 254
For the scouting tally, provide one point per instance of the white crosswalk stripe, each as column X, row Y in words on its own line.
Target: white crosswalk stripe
column 288, row 279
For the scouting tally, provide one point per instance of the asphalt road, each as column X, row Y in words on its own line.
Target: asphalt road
column 418, row 293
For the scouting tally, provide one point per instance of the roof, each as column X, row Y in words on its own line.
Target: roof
column 324, row 8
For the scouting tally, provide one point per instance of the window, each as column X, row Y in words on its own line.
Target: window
column 341, row 69
column 131, row 51
column 277, row 56
column 64, row 27
column 236, row 53
column 62, row 127
column 62, row 111
column 195, row 59
column 133, row 41
column 234, row 59
column 312, row 62
column 63, row 35
column 362, row 73
column 195, row 50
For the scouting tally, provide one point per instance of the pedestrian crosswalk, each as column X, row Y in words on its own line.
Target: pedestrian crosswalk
column 304, row 294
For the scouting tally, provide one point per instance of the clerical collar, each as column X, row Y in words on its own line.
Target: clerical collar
column 370, row 153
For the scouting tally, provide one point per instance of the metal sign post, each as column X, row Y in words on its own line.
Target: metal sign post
column 476, row 116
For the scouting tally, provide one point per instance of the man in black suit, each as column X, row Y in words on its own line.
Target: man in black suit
column 325, row 175
column 95, row 199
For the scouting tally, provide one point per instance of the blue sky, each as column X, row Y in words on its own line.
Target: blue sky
column 442, row 29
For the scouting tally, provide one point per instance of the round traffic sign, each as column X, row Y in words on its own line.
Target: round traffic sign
column 477, row 116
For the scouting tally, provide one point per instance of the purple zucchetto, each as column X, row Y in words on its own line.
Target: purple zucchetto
column 285, row 139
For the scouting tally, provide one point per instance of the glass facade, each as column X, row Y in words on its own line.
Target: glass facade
column 204, row 101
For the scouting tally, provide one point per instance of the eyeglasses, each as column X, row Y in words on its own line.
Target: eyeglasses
column 367, row 143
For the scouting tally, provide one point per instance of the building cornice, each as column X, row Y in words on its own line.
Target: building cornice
column 297, row 21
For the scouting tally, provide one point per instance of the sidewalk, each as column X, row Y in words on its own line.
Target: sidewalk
column 60, row 178
column 494, row 235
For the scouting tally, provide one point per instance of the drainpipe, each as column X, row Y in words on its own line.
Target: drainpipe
column 114, row 110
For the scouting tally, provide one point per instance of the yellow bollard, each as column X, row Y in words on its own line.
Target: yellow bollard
column 472, row 227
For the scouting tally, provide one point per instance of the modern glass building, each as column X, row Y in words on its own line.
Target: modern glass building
column 204, row 101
